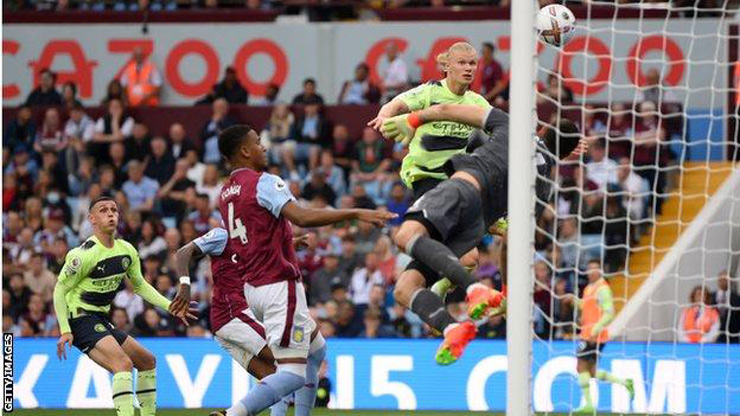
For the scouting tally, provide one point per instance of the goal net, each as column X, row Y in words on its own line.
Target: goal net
column 653, row 206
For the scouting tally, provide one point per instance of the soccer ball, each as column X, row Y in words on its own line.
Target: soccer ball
column 556, row 24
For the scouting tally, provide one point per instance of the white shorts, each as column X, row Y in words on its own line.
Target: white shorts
column 283, row 310
column 242, row 339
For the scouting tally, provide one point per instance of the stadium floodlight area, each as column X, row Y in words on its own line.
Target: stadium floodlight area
column 655, row 200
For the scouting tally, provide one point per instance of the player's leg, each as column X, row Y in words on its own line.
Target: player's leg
column 586, row 370
column 109, row 355
column 287, row 325
column 603, row 375
column 146, row 378
column 244, row 339
column 305, row 398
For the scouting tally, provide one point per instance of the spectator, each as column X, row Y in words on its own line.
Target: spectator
column 138, row 144
column 270, row 98
column 364, row 279
column 556, row 91
column 395, row 75
column 204, row 218
column 328, row 277
column 36, row 322
column 45, row 94
column 370, row 165
column 727, row 302
column 50, row 137
column 58, row 256
column 39, row 279
column 173, row 194
column 699, row 322
column 21, row 130
column 164, row 286
column 650, row 151
column 140, row 190
column 20, row 294
column 179, row 142
column 55, row 226
column 601, row 170
column 209, row 135
column 151, row 243
column 115, row 126
column 593, row 127
column 350, row 259
column 542, row 293
column 129, row 301
column 374, row 327
column 141, row 80
column 633, row 189
column 118, row 161
column 360, row 90
column 114, row 91
column 348, row 326
column 343, row 148
column 332, row 174
column 310, row 134
column 616, row 228
column 493, row 80
column 80, row 128
column 211, row 185
column 309, row 95
column 120, row 320
column 161, row 164
column 69, row 95
column 398, row 203
column 619, row 131
column 386, row 259
column 318, row 188
column 277, row 131
column 231, row 89
column 653, row 91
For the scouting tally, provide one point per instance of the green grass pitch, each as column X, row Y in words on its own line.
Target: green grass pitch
column 205, row 412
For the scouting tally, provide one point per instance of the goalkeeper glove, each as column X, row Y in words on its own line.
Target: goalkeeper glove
column 401, row 128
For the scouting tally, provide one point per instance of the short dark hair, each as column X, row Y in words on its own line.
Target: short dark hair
column 490, row 46
column 562, row 138
column 307, row 80
column 78, row 107
column 100, row 199
column 230, row 139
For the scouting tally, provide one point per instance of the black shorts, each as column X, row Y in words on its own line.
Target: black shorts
column 589, row 351
column 88, row 329
column 423, row 186
column 451, row 213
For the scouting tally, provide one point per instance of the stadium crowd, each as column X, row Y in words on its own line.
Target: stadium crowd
column 168, row 187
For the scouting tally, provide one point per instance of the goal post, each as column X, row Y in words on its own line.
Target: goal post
column 653, row 206
column 521, row 207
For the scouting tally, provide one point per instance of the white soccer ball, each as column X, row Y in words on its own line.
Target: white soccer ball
column 556, row 24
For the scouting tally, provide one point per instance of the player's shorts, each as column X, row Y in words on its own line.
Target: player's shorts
column 589, row 350
column 283, row 310
column 243, row 338
column 88, row 329
column 423, row 186
column 451, row 213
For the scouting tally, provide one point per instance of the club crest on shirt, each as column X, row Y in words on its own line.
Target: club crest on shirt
column 280, row 185
column 125, row 263
column 99, row 328
column 74, row 265
column 298, row 333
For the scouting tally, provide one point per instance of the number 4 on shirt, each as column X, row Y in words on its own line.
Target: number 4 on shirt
column 236, row 227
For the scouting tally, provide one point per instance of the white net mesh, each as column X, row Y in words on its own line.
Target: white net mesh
column 654, row 206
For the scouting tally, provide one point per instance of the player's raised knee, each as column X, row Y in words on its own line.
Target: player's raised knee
column 122, row 363
column 147, row 361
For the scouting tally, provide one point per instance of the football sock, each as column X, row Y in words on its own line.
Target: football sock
column 146, row 392
column 583, row 381
column 441, row 259
column 123, row 395
column 281, row 408
column 605, row 376
column 267, row 392
column 430, row 308
column 305, row 398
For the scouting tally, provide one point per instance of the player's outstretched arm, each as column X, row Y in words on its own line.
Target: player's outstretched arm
column 71, row 274
column 180, row 306
column 471, row 115
column 395, row 107
column 312, row 217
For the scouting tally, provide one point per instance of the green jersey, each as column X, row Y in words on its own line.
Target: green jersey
column 437, row 141
column 91, row 276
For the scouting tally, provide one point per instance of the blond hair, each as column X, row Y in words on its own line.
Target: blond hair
column 443, row 59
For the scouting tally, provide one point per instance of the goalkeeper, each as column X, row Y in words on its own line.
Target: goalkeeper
column 84, row 291
column 450, row 220
column 597, row 311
